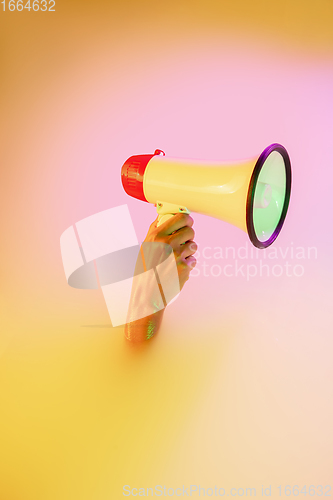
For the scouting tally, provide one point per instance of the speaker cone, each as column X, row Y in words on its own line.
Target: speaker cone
column 268, row 195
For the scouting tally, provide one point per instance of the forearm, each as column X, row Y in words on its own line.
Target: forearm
column 143, row 329
column 166, row 256
column 145, row 299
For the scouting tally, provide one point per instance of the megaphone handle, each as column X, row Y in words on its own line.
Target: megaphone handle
column 163, row 218
column 167, row 210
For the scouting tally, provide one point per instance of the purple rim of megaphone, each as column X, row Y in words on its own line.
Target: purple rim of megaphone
column 252, row 187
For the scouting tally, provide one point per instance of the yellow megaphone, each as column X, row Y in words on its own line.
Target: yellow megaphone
column 252, row 195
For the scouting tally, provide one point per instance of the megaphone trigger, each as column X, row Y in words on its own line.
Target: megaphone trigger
column 163, row 218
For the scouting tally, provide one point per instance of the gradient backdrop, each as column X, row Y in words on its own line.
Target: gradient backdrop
column 236, row 390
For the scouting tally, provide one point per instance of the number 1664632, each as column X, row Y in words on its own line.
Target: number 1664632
column 28, row 6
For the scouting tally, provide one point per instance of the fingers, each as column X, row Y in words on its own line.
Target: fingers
column 191, row 262
column 176, row 232
column 189, row 265
column 181, row 236
column 189, row 249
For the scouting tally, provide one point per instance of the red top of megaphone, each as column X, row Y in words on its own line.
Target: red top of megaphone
column 132, row 173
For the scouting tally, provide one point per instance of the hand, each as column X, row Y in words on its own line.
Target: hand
column 178, row 233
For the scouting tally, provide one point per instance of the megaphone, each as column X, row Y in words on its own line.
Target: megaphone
column 252, row 194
